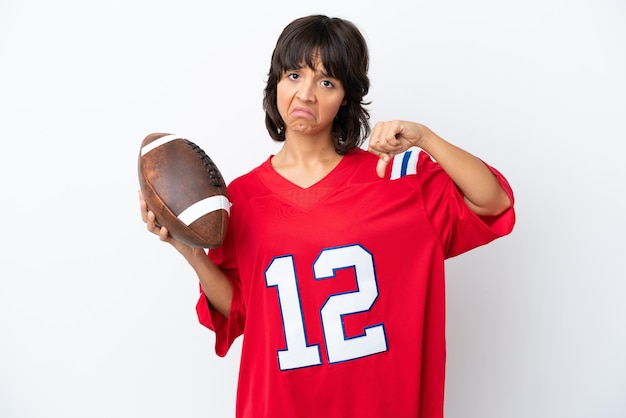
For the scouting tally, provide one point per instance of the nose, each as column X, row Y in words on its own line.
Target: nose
column 306, row 92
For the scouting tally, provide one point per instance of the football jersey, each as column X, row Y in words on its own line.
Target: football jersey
column 338, row 288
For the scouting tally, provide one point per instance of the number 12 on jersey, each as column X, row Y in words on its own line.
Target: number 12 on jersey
column 282, row 274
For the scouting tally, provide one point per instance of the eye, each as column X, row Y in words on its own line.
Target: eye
column 292, row 76
column 328, row 83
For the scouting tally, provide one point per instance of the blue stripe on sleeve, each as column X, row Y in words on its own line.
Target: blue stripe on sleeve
column 405, row 163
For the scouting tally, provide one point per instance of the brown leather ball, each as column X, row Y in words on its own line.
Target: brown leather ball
column 184, row 189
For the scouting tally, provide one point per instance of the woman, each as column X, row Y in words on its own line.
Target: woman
column 333, row 264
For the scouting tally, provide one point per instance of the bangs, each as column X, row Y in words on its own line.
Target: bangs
column 310, row 48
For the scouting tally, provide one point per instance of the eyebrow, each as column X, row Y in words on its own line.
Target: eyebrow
column 323, row 72
column 326, row 74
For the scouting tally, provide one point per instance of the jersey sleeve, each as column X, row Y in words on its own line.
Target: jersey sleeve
column 226, row 329
column 459, row 228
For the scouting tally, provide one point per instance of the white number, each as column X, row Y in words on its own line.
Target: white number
column 281, row 274
column 374, row 340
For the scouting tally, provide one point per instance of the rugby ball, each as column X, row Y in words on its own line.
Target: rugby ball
column 185, row 189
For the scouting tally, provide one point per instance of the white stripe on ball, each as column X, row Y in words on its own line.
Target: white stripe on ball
column 158, row 142
column 204, row 206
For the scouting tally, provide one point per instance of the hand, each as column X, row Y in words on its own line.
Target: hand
column 150, row 219
column 392, row 138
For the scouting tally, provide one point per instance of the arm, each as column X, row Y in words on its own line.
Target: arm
column 483, row 194
column 214, row 282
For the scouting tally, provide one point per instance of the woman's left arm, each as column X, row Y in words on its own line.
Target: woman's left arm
column 482, row 191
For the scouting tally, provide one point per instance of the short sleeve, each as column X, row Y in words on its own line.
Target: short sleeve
column 458, row 227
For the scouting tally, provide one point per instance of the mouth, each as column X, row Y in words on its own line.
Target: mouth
column 302, row 112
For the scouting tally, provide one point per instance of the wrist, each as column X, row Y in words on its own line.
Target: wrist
column 196, row 258
column 425, row 138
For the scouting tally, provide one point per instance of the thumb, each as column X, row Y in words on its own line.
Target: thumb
column 381, row 166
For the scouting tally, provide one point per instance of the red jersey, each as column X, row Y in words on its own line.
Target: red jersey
column 338, row 288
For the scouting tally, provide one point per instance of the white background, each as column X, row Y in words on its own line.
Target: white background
column 97, row 317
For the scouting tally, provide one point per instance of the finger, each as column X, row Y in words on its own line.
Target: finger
column 143, row 206
column 149, row 218
column 151, row 222
column 164, row 235
column 385, row 146
column 146, row 214
column 381, row 165
column 386, row 137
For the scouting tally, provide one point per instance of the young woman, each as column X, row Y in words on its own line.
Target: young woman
column 333, row 265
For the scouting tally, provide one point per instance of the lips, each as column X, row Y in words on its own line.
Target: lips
column 302, row 112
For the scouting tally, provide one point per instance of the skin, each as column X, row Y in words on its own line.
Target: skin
column 308, row 101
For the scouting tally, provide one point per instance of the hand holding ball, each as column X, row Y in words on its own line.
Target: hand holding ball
column 184, row 189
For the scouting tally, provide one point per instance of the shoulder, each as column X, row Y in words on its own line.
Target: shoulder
column 249, row 181
column 361, row 159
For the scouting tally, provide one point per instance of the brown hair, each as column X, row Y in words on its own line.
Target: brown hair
column 344, row 55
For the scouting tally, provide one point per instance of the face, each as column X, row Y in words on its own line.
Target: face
column 308, row 100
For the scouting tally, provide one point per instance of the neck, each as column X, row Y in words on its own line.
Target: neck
column 305, row 161
column 307, row 149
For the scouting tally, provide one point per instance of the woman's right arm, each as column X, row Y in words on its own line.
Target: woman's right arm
column 215, row 284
